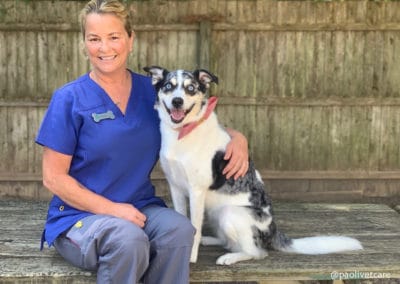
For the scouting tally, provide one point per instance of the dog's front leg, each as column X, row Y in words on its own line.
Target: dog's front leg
column 179, row 201
column 197, row 202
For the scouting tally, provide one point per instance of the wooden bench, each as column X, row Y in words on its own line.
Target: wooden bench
column 376, row 226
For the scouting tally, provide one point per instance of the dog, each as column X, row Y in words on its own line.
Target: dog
column 192, row 157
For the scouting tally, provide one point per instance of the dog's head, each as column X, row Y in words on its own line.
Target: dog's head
column 181, row 94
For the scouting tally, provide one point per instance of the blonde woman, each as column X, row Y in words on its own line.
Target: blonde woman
column 101, row 141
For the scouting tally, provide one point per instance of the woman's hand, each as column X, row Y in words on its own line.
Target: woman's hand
column 130, row 213
column 238, row 155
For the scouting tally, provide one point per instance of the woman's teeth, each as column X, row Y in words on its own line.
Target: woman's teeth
column 107, row 57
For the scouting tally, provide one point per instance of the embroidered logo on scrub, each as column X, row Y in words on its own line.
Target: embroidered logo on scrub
column 97, row 117
column 78, row 224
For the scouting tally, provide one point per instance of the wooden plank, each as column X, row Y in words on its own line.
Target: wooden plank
column 377, row 226
column 375, row 146
column 72, row 27
column 35, row 117
column 173, row 49
column 21, row 62
column 3, row 70
column 12, row 61
column 205, row 45
column 262, row 100
column 315, row 189
column 160, row 52
column 31, row 63
column 43, row 69
column 4, row 138
column 265, row 73
column 266, row 173
column 16, row 144
column 393, row 45
column 319, row 141
column 242, row 54
column 302, row 133
column 390, row 154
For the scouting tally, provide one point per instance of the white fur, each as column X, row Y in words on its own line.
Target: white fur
column 324, row 245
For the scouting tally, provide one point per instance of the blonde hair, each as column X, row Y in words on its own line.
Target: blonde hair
column 113, row 7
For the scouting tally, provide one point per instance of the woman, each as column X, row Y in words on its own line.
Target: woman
column 101, row 140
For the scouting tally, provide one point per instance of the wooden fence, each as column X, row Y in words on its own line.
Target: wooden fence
column 314, row 85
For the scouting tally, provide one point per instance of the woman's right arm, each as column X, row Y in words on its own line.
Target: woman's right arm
column 56, row 179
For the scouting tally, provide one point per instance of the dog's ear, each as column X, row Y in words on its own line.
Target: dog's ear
column 205, row 77
column 157, row 73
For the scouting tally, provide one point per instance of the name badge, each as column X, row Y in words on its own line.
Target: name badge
column 97, row 117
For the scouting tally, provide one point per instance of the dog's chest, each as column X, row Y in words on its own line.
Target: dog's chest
column 187, row 162
column 185, row 167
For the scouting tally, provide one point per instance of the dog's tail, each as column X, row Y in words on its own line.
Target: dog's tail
column 315, row 245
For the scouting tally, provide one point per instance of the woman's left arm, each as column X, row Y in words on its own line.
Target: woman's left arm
column 237, row 153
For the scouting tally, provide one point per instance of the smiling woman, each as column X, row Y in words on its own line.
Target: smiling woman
column 101, row 141
column 101, row 138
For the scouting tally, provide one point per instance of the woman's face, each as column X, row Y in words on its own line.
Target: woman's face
column 107, row 43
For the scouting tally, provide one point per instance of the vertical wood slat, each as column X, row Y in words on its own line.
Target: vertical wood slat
column 3, row 69
column 204, row 56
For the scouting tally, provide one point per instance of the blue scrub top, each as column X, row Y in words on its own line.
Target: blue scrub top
column 113, row 154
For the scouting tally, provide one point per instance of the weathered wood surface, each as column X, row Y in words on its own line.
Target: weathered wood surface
column 376, row 226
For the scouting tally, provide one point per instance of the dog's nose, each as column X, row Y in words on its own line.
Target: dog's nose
column 177, row 102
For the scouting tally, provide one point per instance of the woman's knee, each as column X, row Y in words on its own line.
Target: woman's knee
column 170, row 228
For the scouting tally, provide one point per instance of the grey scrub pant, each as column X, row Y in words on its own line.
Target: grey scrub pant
column 123, row 253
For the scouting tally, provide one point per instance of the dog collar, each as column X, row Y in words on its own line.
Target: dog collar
column 187, row 128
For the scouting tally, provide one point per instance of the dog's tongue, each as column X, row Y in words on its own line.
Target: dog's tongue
column 177, row 114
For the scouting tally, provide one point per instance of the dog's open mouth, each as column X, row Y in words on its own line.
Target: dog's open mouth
column 177, row 114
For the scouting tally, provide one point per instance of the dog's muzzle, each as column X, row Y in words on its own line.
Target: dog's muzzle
column 177, row 113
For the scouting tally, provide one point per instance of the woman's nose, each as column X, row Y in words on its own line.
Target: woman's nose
column 104, row 45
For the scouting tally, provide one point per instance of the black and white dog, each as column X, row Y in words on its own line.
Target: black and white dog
column 192, row 151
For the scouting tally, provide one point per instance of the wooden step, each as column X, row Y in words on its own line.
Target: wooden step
column 376, row 226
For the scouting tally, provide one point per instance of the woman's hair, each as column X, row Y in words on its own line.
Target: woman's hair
column 113, row 7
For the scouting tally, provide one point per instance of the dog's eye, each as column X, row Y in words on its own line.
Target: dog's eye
column 168, row 87
column 191, row 89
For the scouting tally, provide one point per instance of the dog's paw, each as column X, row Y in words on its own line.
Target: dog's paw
column 225, row 260
column 231, row 258
column 211, row 241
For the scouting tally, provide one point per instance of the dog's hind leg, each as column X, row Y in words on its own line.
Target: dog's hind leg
column 211, row 241
column 236, row 225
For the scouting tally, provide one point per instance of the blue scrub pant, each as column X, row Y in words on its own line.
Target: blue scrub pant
column 122, row 252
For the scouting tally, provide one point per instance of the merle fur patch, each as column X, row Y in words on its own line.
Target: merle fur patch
column 264, row 239
column 249, row 183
